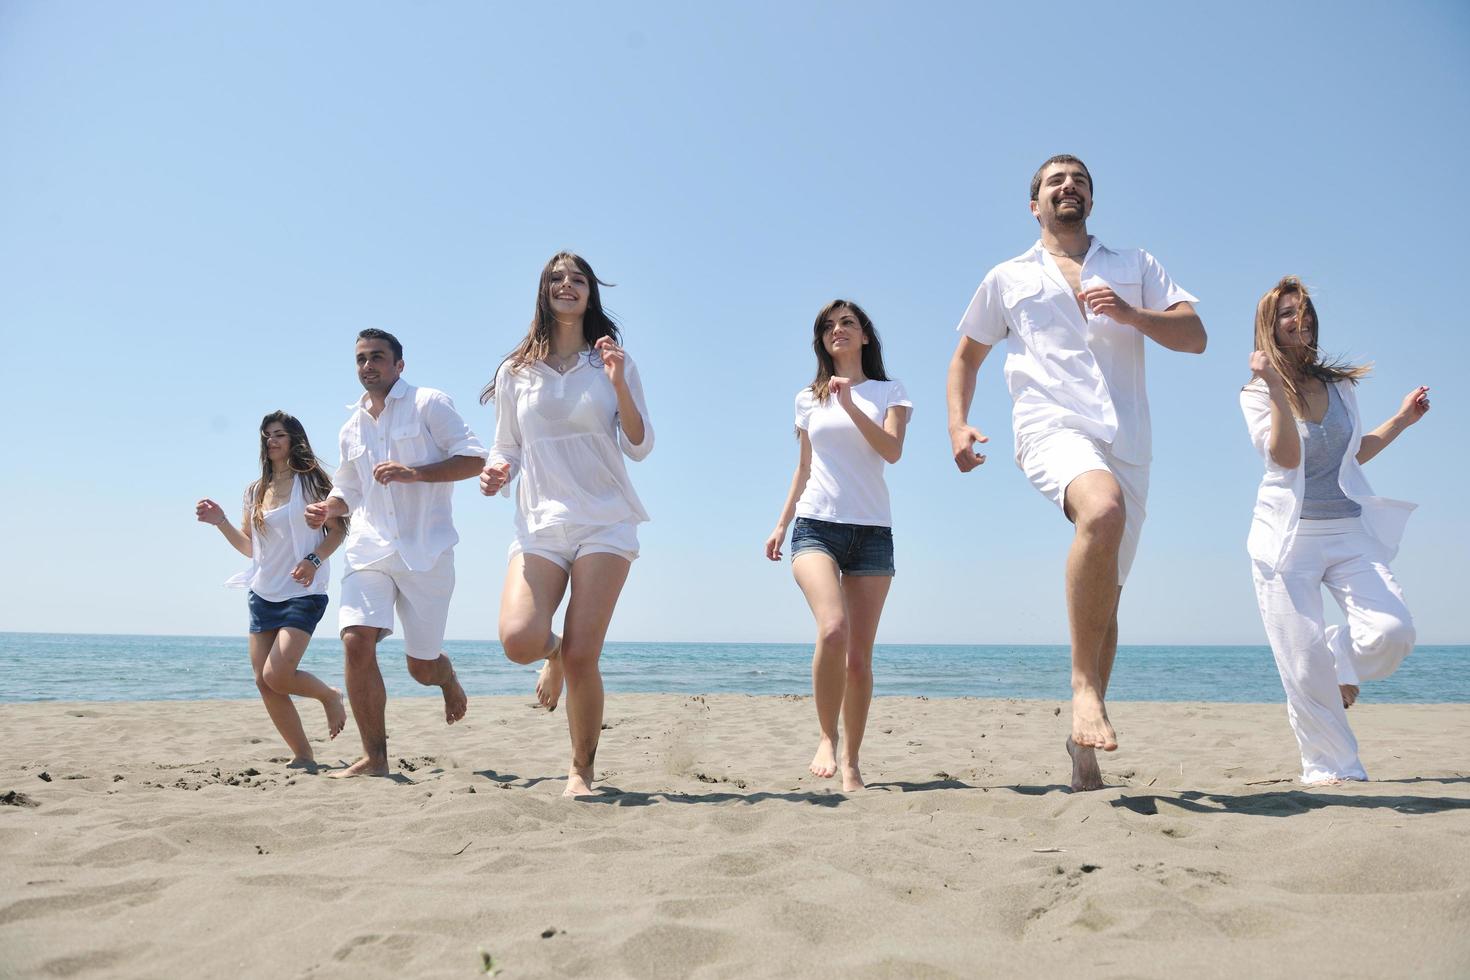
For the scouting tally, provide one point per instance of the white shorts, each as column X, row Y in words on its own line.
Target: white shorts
column 565, row 543
column 369, row 596
column 1051, row 462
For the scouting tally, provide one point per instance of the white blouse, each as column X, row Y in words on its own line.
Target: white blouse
column 278, row 548
column 561, row 434
column 1279, row 499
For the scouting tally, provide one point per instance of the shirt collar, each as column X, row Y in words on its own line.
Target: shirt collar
column 1094, row 244
column 399, row 389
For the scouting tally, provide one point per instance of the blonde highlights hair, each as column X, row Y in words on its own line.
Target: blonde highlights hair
column 1296, row 368
column 302, row 461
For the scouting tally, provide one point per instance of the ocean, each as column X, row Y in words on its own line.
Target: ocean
column 87, row 667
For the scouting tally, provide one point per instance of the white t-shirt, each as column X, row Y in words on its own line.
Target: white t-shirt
column 1064, row 368
column 278, row 548
column 846, row 483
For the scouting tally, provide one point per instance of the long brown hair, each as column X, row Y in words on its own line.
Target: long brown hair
column 303, row 463
column 596, row 323
column 872, row 350
column 1292, row 369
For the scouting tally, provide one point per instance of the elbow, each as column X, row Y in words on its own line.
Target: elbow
column 894, row 456
column 1285, row 460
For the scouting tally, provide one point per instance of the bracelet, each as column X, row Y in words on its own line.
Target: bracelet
column 313, row 559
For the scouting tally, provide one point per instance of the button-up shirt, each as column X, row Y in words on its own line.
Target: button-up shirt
column 1064, row 367
column 417, row 427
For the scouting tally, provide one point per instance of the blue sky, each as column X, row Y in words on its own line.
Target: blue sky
column 202, row 204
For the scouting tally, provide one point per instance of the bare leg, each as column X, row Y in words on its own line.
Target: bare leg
column 282, row 675
column 277, row 705
column 865, row 596
column 534, row 587
column 440, row 673
column 1094, row 503
column 1086, row 774
column 369, row 700
column 597, row 581
column 821, row 583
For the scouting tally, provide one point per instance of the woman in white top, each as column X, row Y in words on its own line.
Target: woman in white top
column 287, row 577
column 1316, row 523
column 849, row 422
column 568, row 407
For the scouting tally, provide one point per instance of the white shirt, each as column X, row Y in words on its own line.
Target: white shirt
column 561, row 434
column 846, row 482
column 278, row 548
column 1279, row 499
column 417, row 427
column 1065, row 368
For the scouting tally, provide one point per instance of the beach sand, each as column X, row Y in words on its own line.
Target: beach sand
column 168, row 839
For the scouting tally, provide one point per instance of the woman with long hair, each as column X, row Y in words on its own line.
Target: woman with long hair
column 1317, row 523
column 568, row 407
column 849, row 421
column 287, row 577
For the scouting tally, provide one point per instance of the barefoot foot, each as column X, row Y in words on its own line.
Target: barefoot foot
column 852, row 778
column 1085, row 773
column 824, row 763
column 1090, row 726
column 579, row 782
column 455, row 702
column 362, row 767
column 549, row 682
column 302, row 762
column 1349, row 694
column 336, row 713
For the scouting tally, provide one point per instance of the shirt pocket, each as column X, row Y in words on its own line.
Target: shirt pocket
column 1046, row 330
column 409, row 446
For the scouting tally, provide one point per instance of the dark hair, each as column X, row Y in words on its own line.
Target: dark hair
column 872, row 350
column 596, row 323
column 302, row 461
column 1059, row 158
column 373, row 333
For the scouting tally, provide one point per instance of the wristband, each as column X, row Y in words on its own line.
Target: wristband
column 313, row 559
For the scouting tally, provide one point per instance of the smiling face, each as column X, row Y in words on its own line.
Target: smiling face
column 277, row 443
column 376, row 367
column 1064, row 197
column 567, row 290
column 842, row 332
column 1295, row 327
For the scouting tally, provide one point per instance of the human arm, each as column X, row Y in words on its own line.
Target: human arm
column 1272, row 424
column 886, row 439
column 209, row 512
column 445, row 471
column 1178, row 328
column 1415, row 406
column 959, row 393
column 305, row 571
column 635, row 434
column 504, row 461
column 798, row 486
column 464, row 455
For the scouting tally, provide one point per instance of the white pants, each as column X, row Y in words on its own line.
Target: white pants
column 1313, row 659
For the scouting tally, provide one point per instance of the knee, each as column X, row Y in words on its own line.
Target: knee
column 1395, row 638
column 859, row 667
column 832, row 633
column 274, row 678
column 577, row 664
column 359, row 645
column 423, row 671
column 1103, row 519
column 522, row 642
column 262, row 685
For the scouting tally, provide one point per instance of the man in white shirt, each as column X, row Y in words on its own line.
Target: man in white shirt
column 402, row 448
column 1074, row 314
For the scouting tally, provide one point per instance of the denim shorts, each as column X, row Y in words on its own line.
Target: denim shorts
column 858, row 549
column 301, row 613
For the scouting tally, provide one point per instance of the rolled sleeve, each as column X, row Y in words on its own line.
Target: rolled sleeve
column 1159, row 291
column 635, row 387
column 451, row 435
column 1255, row 403
column 984, row 321
column 347, row 482
column 507, row 445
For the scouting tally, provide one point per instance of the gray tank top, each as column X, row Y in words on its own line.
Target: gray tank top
column 1325, row 445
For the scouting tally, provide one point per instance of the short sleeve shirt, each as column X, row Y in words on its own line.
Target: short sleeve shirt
column 1064, row 368
column 846, row 484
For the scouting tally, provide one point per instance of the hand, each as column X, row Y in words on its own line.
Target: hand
column 493, row 477
column 209, row 512
column 612, row 360
column 774, row 542
column 841, row 389
column 1102, row 301
column 962, row 439
column 322, row 511
column 1261, row 367
column 1414, row 408
column 391, row 472
column 304, row 572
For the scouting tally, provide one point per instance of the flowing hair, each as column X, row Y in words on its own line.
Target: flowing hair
column 303, row 463
column 596, row 323
column 872, row 350
column 1290, row 368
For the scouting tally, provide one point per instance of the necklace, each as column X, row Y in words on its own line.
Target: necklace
column 1069, row 255
column 562, row 363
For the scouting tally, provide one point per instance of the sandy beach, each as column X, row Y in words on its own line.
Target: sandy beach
column 169, row 839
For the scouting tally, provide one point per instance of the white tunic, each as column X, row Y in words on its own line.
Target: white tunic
column 1064, row 368
column 846, row 482
column 561, row 434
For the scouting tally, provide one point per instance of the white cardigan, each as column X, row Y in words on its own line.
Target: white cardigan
column 1279, row 499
